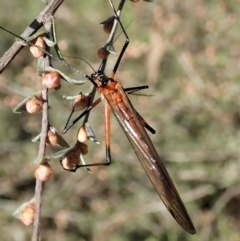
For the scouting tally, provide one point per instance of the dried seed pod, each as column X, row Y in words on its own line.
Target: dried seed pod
column 83, row 148
column 52, row 139
column 43, row 172
column 81, row 101
column 71, row 159
column 82, row 135
column 27, row 214
column 51, row 80
column 37, row 52
column 102, row 53
column 34, row 105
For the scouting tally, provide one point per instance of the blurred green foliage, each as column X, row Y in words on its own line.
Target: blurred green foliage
column 188, row 53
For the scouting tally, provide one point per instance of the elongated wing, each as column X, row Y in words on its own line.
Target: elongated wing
column 149, row 158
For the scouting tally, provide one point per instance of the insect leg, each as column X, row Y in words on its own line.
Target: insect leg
column 131, row 90
column 67, row 127
column 144, row 123
column 107, row 137
column 107, row 132
column 124, row 46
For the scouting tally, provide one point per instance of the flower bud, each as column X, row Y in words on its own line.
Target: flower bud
column 37, row 52
column 27, row 214
column 52, row 139
column 81, row 102
column 51, row 80
column 108, row 24
column 83, row 148
column 71, row 159
column 34, row 105
column 102, row 53
column 43, row 172
column 82, row 135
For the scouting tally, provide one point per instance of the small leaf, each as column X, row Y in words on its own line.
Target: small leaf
column 18, row 211
column 73, row 97
column 49, row 42
column 62, row 153
column 41, row 66
column 84, row 163
column 37, row 138
column 61, row 141
column 111, row 49
column 21, row 106
column 67, row 78
column 90, row 133
column 32, row 37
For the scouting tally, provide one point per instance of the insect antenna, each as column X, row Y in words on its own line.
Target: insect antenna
column 51, row 55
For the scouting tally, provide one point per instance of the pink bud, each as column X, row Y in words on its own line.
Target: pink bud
column 43, row 172
column 34, row 105
column 102, row 53
column 82, row 135
column 71, row 159
column 52, row 139
column 27, row 214
column 81, row 102
column 51, row 80
column 37, row 52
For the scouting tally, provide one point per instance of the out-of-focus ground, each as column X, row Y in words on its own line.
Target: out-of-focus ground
column 188, row 52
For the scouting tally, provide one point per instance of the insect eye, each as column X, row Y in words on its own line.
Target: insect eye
column 97, row 74
column 93, row 75
column 105, row 80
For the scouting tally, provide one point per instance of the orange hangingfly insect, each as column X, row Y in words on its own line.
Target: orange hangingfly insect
column 114, row 97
